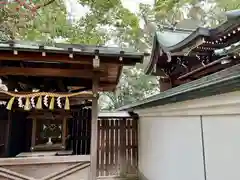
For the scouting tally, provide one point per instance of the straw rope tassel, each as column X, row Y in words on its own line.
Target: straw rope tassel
column 51, row 106
column 67, row 104
column 39, row 103
column 27, row 106
column 40, row 100
column 62, row 95
column 10, row 103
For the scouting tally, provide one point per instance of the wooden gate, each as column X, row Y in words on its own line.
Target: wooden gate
column 117, row 142
column 117, row 147
column 80, row 130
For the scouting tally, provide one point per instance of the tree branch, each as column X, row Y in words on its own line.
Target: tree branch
column 36, row 7
column 45, row 4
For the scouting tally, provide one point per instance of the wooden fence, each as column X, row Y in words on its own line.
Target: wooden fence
column 117, row 142
column 117, row 147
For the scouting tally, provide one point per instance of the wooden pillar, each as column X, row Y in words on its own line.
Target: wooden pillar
column 94, row 121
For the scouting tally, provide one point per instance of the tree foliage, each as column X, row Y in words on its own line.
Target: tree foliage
column 134, row 85
column 106, row 21
column 49, row 20
column 207, row 12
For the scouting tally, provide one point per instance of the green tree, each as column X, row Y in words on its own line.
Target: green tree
column 105, row 20
column 47, row 20
column 133, row 86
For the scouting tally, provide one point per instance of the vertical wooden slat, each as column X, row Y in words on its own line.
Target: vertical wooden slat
column 74, row 132
column 85, row 130
column 34, row 126
column 116, row 146
column 134, row 140
column 123, row 147
column 64, row 131
column 69, row 145
column 78, row 132
column 89, row 112
column 102, row 148
column 82, row 132
column 112, row 162
column 129, row 145
column 99, row 149
column 81, row 151
column 8, row 133
column 119, row 146
column 107, row 146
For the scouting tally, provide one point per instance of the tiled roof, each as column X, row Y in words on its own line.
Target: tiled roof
column 59, row 47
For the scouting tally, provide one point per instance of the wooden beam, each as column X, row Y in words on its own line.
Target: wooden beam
column 17, row 71
column 40, row 117
column 210, row 70
column 203, row 68
column 50, row 57
column 38, row 83
column 200, row 74
column 63, row 58
column 94, row 129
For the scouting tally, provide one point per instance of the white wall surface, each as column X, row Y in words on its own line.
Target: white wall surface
column 222, row 147
column 170, row 141
column 170, row 148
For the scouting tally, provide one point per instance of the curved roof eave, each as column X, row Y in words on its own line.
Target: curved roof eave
column 233, row 20
column 151, row 63
column 233, row 14
column 198, row 33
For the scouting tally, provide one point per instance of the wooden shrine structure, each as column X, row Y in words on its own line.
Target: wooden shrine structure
column 183, row 55
column 52, row 128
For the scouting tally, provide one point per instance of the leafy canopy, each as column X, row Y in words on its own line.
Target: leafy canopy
column 106, row 21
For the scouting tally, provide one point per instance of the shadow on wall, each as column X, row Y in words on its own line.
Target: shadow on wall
column 141, row 176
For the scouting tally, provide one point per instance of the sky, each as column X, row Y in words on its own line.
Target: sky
column 132, row 5
column 76, row 10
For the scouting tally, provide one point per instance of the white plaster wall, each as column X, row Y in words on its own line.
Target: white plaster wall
column 170, row 148
column 222, row 147
column 170, row 143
